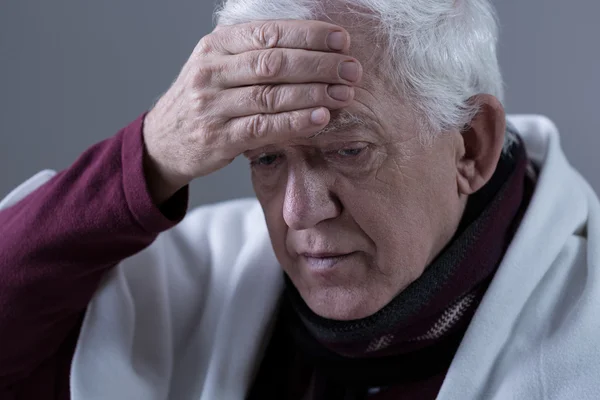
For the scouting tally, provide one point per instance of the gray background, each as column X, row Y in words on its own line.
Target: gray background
column 75, row 72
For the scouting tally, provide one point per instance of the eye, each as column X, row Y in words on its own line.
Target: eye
column 265, row 160
column 349, row 152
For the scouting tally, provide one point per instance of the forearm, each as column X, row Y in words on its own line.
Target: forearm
column 56, row 244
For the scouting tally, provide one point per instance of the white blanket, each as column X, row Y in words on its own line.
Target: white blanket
column 189, row 317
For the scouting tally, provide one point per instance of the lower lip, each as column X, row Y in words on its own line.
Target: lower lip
column 325, row 263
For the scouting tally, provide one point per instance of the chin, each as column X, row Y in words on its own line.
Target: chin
column 344, row 304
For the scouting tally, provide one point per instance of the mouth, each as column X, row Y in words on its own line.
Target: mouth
column 323, row 261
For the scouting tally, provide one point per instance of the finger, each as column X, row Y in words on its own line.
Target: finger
column 262, row 129
column 273, row 99
column 289, row 66
column 260, row 35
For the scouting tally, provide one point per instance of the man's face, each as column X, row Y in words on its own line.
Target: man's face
column 356, row 213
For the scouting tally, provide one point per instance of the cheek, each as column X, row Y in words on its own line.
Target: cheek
column 269, row 186
column 422, row 210
column 401, row 236
column 396, row 210
column 267, row 183
column 270, row 196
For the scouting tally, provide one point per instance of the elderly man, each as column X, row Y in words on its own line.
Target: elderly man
column 407, row 242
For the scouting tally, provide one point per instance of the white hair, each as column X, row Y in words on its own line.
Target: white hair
column 441, row 52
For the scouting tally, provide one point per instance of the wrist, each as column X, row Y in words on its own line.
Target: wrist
column 161, row 181
column 160, row 186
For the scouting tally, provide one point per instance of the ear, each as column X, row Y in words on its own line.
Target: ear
column 483, row 139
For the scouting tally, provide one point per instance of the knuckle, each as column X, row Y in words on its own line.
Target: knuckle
column 201, row 99
column 269, row 63
column 294, row 122
column 206, row 45
column 267, row 98
column 258, row 126
column 317, row 93
column 307, row 39
column 266, row 35
column 325, row 66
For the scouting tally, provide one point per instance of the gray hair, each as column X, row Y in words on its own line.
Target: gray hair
column 441, row 52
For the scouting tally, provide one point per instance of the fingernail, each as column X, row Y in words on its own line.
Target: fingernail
column 336, row 40
column 318, row 116
column 349, row 71
column 339, row 92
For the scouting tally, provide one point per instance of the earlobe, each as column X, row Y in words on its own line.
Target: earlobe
column 483, row 140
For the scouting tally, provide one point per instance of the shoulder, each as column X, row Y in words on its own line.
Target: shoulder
column 567, row 306
column 220, row 227
column 551, row 348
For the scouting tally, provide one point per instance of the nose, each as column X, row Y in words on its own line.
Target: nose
column 308, row 199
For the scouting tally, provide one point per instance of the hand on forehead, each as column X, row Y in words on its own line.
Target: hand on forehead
column 260, row 35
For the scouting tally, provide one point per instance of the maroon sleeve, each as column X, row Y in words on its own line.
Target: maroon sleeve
column 56, row 244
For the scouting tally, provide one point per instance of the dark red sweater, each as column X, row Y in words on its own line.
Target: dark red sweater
column 55, row 246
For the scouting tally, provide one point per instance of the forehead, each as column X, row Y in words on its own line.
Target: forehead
column 367, row 44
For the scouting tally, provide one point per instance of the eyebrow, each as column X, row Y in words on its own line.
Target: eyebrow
column 345, row 120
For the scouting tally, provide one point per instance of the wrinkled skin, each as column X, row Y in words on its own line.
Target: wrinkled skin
column 356, row 214
column 374, row 191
